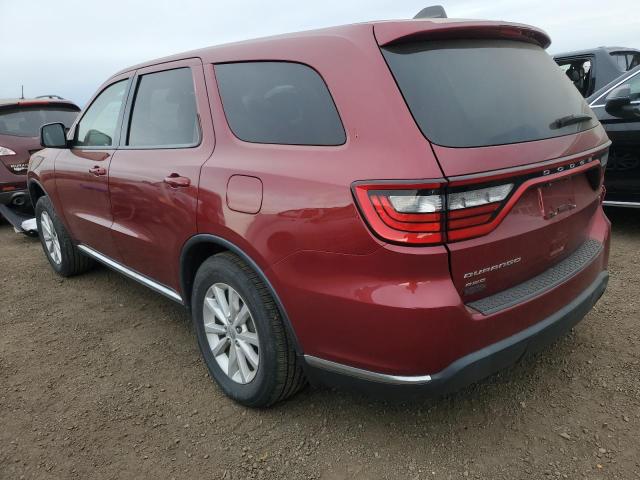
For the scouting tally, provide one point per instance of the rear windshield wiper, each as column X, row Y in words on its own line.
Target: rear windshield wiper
column 570, row 120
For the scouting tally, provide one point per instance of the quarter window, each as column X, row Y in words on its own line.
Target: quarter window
column 97, row 127
column 164, row 111
column 278, row 102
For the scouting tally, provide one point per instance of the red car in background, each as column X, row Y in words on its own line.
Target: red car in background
column 408, row 204
column 20, row 122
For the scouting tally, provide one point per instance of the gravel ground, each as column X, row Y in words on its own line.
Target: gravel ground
column 101, row 378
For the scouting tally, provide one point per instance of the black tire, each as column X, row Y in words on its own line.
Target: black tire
column 279, row 374
column 72, row 262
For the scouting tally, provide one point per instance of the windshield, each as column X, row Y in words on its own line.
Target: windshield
column 473, row 93
column 26, row 121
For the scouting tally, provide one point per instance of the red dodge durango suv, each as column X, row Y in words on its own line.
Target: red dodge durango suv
column 409, row 204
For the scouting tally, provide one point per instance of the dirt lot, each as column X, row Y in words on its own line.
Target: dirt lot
column 101, row 378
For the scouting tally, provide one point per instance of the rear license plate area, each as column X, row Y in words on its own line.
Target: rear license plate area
column 556, row 197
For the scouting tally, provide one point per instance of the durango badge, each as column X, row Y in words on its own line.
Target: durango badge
column 492, row 268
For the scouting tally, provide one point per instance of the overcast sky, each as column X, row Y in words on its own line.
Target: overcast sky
column 69, row 47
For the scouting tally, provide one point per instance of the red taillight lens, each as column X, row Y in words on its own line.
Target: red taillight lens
column 441, row 211
column 470, row 211
column 423, row 214
column 410, row 214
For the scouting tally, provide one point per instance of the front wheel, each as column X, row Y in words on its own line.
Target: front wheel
column 243, row 340
column 58, row 247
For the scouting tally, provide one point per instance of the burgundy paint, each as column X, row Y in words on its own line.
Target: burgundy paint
column 151, row 218
column 244, row 194
column 351, row 297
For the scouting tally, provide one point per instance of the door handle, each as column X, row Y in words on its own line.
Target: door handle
column 176, row 181
column 98, row 171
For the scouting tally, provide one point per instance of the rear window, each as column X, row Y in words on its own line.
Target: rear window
column 475, row 93
column 278, row 102
column 626, row 61
column 26, row 121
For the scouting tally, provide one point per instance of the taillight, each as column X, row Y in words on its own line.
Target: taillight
column 403, row 213
column 438, row 211
column 470, row 210
column 423, row 214
column 6, row 151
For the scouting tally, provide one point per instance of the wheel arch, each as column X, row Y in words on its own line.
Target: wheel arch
column 202, row 246
column 36, row 190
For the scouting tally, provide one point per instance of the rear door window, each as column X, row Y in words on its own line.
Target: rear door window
column 475, row 93
column 278, row 102
column 164, row 111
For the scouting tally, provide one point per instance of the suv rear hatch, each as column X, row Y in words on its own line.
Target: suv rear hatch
column 519, row 148
column 20, row 124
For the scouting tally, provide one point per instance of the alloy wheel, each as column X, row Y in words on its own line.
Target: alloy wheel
column 231, row 333
column 50, row 237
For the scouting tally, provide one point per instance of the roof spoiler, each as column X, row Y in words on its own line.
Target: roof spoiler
column 435, row 11
column 388, row 33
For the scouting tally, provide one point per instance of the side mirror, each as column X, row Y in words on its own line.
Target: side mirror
column 618, row 101
column 96, row 138
column 614, row 105
column 52, row 135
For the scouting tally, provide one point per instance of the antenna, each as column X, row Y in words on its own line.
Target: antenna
column 22, row 94
column 435, row 11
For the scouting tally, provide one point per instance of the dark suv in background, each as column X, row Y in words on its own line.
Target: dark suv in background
column 617, row 106
column 590, row 70
column 20, row 122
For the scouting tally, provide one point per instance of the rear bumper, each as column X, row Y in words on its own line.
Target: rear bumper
column 396, row 315
column 473, row 366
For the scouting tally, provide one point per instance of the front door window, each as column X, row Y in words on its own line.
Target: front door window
column 97, row 128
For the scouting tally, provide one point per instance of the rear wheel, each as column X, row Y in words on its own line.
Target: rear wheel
column 243, row 340
column 58, row 247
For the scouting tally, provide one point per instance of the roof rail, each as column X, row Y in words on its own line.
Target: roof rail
column 434, row 11
column 57, row 97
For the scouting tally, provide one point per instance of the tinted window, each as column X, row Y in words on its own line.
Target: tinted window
column 626, row 61
column 97, row 127
column 466, row 93
column 278, row 102
column 26, row 121
column 164, row 110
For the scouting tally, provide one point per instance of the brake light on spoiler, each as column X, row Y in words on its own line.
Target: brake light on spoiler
column 434, row 212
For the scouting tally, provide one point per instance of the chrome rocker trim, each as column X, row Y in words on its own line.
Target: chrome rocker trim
column 365, row 374
column 611, row 203
column 132, row 274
